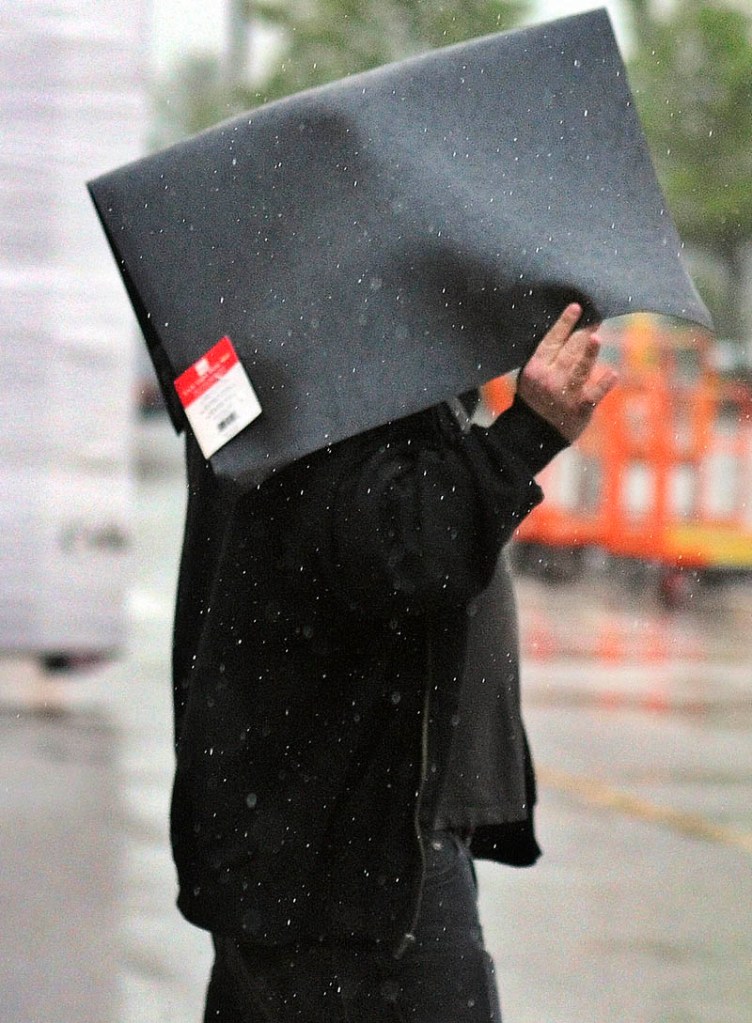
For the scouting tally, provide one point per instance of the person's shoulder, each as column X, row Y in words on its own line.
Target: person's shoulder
column 413, row 432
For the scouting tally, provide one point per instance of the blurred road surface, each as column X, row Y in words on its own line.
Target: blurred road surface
column 641, row 722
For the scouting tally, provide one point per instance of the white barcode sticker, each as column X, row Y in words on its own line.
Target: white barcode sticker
column 218, row 397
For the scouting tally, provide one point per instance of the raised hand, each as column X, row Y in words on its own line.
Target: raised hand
column 563, row 381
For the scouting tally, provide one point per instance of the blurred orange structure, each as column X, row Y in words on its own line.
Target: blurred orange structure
column 664, row 471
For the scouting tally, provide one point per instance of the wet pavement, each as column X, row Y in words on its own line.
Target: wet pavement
column 641, row 722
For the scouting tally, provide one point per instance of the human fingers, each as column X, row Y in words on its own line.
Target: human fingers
column 576, row 358
column 599, row 384
column 558, row 335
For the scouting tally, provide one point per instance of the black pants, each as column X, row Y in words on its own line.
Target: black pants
column 445, row 977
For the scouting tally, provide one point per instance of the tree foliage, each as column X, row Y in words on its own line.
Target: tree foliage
column 319, row 41
column 692, row 74
column 328, row 39
column 194, row 97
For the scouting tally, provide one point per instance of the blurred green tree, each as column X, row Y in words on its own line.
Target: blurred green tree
column 193, row 97
column 691, row 71
column 327, row 39
column 314, row 41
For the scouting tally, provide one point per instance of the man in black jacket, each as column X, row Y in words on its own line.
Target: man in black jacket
column 342, row 747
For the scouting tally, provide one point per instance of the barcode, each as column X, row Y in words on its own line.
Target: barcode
column 224, row 423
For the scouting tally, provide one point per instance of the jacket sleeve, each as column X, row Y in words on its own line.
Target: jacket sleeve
column 417, row 515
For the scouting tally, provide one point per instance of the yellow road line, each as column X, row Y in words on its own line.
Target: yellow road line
column 597, row 793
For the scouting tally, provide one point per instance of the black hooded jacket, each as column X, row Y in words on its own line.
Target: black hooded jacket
column 319, row 652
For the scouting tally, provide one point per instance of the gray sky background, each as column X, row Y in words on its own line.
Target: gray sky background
column 182, row 26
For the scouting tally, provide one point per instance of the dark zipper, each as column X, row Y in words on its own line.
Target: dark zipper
column 408, row 939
